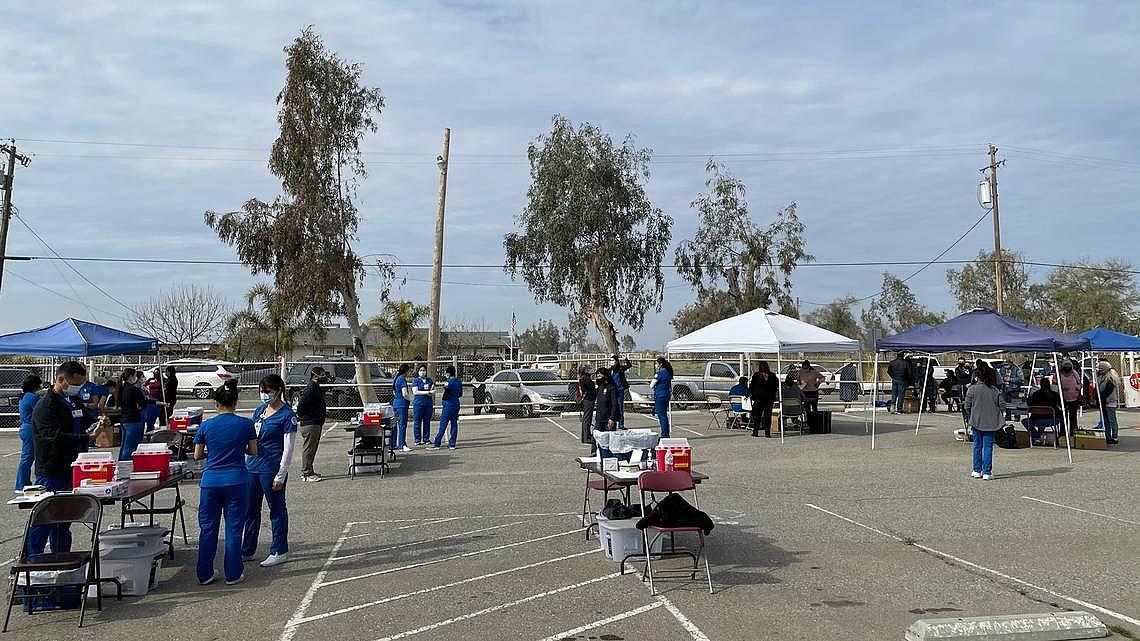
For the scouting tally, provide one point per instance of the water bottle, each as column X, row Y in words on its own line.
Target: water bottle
column 669, row 461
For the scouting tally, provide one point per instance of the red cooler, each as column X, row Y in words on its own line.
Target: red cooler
column 152, row 457
column 182, row 419
column 95, row 467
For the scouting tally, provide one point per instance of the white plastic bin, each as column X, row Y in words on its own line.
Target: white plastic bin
column 137, row 576
column 620, row 538
column 134, row 556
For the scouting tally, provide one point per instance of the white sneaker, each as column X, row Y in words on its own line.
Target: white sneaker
column 237, row 580
column 406, row 449
column 213, row 577
column 274, row 559
column 975, row 475
column 312, row 478
column 451, row 447
column 987, row 477
column 431, row 446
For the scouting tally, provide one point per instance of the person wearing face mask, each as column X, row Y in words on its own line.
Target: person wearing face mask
column 30, row 387
column 587, row 396
column 275, row 424
column 132, row 402
column 423, row 407
column 662, row 391
column 607, row 404
column 621, row 384
column 449, row 416
column 1070, row 383
column 57, row 436
column 400, row 398
column 311, row 411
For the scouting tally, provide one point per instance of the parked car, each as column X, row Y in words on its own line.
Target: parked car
column 524, row 392
column 11, row 379
column 200, row 378
column 718, row 378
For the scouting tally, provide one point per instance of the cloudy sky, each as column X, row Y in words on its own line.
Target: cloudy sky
column 875, row 120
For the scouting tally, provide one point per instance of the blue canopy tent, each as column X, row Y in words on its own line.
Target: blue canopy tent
column 71, row 337
column 978, row 330
column 1105, row 340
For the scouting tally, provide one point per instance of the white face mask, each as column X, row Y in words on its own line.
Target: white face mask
column 423, row 373
column 266, row 397
column 73, row 390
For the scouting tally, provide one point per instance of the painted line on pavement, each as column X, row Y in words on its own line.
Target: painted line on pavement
column 481, row 577
column 1082, row 603
column 573, row 632
column 1077, row 509
column 501, row 606
column 432, row 522
column 334, row 426
column 13, row 560
column 10, row 454
column 471, row 516
column 425, row 541
column 689, row 626
column 450, row 558
column 555, row 424
column 291, row 625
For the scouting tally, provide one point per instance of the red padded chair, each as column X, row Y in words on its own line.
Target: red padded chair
column 670, row 483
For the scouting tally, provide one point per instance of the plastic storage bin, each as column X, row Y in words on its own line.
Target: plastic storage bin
column 134, row 556
column 152, row 457
column 95, row 467
column 682, row 454
column 48, row 593
column 181, row 419
column 620, row 538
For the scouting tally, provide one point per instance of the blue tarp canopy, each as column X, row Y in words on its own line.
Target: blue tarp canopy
column 983, row 330
column 917, row 328
column 73, row 337
column 1106, row 340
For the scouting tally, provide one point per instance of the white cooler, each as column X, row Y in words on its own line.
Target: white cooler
column 620, row 538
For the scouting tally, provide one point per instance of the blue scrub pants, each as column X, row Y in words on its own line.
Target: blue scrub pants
column 619, row 417
column 132, row 436
column 661, row 409
column 150, row 415
column 261, row 485
column 59, row 535
column 421, row 422
column 27, row 457
column 449, row 416
column 400, row 433
column 233, row 501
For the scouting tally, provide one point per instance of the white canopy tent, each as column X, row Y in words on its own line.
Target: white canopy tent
column 762, row 331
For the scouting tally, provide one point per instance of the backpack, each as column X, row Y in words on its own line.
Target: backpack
column 1006, row 437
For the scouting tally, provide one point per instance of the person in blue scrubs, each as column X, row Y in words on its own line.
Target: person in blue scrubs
column 223, row 441
column 276, row 426
column 621, row 383
column 133, row 403
column 423, row 407
column 57, row 435
column 452, row 392
column 662, row 392
column 30, row 386
column 400, row 397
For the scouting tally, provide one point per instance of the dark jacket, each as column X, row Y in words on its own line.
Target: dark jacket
column 1041, row 398
column 311, row 408
column 763, row 392
column 56, row 438
column 587, row 388
column 675, row 511
column 170, row 389
column 132, row 401
column 619, row 370
column 606, row 404
column 898, row 370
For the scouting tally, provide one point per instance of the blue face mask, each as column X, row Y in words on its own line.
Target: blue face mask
column 73, row 390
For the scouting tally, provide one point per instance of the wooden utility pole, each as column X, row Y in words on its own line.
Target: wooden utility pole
column 437, row 264
column 6, row 185
column 993, row 167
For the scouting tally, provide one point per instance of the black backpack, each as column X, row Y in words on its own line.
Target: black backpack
column 1006, row 437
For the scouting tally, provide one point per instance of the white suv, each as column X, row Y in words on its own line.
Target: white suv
column 201, row 377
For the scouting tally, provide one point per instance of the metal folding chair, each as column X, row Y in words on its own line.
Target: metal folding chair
column 737, row 415
column 791, row 413
column 670, row 483
column 1041, row 411
column 718, row 413
column 57, row 511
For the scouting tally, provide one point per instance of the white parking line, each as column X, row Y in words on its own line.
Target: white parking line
column 334, row 426
column 450, row 558
column 363, row 606
column 501, row 606
column 10, row 454
column 432, row 522
column 426, row 541
column 555, row 424
column 291, row 625
column 1077, row 509
column 689, row 626
column 573, row 632
column 426, row 521
column 1084, row 604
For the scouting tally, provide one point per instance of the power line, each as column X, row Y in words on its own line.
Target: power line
column 64, row 296
column 62, row 277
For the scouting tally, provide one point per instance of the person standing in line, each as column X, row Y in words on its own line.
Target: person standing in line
column 478, row 396
column 1070, row 383
column 1108, row 383
column 607, row 405
column 810, row 380
column 400, row 398
column 587, row 395
column 662, row 393
column 153, row 388
column 449, row 412
column 57, row 436
column 763, row 390
column 928, row 387
column 132, row 402
column 1009, row 379
column 275, row 424
column 848, row 385
column 423, row 407
column 621, row 384
column 899, row 371
column 169, row 395
column 311, row 413
column 224, row 485
column 985, row 405
column 30, row 388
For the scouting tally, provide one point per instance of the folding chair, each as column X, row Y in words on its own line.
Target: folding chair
column 718, row 413
column 1043, row 412
column 167, row 502
column 737, row 415
column 670, row 483
column 791, row 413
column 59, row 510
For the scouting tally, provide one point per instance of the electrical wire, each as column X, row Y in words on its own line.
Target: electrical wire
column 55, row 265
column 63, row 296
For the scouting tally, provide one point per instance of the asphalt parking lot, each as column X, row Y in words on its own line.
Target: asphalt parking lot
column 816, row 538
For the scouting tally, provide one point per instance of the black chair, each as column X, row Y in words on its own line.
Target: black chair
column 62, row 509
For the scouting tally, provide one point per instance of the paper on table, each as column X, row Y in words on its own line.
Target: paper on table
column 21, row 499
column 626, row 475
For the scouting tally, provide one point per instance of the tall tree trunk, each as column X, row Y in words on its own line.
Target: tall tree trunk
column 605, row 328
column 359, row 343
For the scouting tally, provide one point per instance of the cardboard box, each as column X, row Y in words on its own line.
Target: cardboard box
column 1083, row 442
column 1022, row 438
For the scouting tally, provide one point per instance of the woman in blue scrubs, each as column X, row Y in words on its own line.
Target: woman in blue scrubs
column 276, row 426
column 133, row 403
column 30, row 386
column 423, row 407
column 400, row 406
column 223, row 441
column 662, row 391
column 452, row 392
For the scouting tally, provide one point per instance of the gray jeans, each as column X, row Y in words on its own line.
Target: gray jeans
column 310, row 439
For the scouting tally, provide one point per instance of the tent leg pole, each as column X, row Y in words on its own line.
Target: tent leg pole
column 1096, row 386
column 874, row 398
column 1069, row 435
column 922, row 395
column 780, row 396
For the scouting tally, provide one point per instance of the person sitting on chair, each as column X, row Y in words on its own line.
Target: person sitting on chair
column 790, row 392
column 1035, row 422
column 738, row 392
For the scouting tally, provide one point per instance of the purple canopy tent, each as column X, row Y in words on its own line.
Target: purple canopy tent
column 978, row 330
